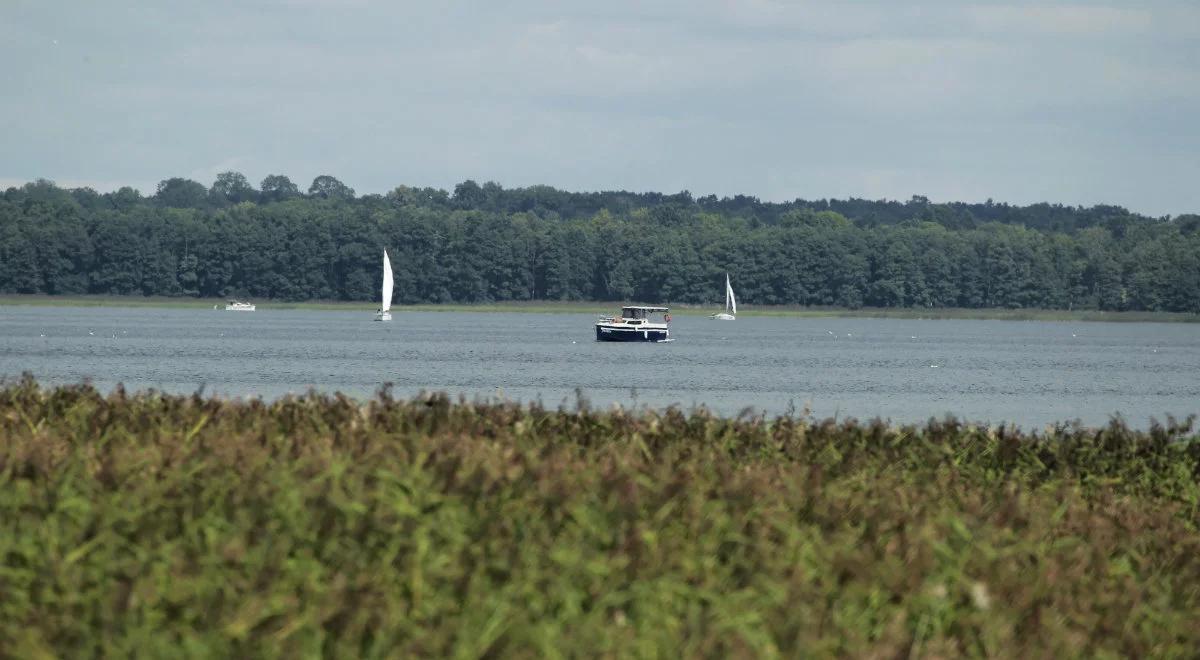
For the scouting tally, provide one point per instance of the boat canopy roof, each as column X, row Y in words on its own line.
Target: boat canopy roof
column 639, row 312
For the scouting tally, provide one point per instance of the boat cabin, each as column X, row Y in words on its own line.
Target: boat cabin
column 642, row 312
column 638, row 315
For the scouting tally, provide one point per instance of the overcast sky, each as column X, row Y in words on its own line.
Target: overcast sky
column 1079, row 103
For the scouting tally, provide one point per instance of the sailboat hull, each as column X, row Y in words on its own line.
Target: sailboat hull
column 383, row 316
column 724, row 317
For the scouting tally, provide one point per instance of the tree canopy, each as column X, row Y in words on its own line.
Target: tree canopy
column 327, row 187
column 232, row 188
column 485, row 243
column 178, row 192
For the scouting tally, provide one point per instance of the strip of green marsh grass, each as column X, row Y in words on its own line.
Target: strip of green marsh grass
column 597, row 308
column 984, row 314
column 208, row 303
column 163, row 525
column 164, row 302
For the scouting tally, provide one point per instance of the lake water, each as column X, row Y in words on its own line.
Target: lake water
column 1027, row 373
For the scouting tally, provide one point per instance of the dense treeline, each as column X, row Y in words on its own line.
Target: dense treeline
column 486, row 243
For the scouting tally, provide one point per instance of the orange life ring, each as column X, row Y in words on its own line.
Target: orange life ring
column 667, row 318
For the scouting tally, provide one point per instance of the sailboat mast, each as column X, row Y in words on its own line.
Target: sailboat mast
column 726, row 292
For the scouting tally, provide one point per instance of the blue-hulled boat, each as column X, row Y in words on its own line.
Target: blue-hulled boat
column 635, row 324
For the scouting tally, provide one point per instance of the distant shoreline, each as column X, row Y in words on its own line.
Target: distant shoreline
column 555, row 307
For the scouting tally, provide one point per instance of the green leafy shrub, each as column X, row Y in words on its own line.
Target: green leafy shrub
column 159, row 525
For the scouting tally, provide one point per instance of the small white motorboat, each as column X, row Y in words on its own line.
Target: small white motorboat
column 236, row 306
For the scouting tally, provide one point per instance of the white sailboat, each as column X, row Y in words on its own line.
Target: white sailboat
column 730, row 313
column 384, row 313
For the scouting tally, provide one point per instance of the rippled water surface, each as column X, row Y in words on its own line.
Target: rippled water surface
column 1028, row 373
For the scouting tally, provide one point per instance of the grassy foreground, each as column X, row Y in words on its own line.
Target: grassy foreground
column 155, row 525
column 596, row 308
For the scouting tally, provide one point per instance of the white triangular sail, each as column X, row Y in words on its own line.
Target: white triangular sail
column 387, row 283
column 730, row 301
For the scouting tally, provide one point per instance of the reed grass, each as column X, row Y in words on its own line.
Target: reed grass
column 155, row 525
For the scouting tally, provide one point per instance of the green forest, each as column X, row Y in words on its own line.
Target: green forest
column 485, row 243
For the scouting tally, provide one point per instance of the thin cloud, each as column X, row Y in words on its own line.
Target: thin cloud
column 1062, row 19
